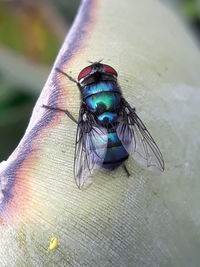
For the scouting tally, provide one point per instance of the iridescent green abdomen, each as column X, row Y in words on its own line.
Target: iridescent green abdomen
column 103, row 99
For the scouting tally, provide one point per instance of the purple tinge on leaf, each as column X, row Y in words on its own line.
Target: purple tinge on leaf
column 15, row 189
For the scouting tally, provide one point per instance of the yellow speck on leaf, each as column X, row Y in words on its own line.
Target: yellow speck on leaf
column 53, row 243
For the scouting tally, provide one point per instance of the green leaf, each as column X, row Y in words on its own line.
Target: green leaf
column 191, row 9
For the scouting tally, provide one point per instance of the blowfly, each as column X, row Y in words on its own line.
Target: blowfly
column 108, row 128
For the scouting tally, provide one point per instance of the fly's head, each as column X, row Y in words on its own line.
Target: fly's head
column 96, row 72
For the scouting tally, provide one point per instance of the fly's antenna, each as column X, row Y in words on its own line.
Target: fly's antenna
column 96, row 62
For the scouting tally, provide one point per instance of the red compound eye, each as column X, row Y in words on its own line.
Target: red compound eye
column 109, row 69
column 86, row 71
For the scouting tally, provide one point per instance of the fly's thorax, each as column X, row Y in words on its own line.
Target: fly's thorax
column 98, row 87
column 104, row 105
column 102, row 97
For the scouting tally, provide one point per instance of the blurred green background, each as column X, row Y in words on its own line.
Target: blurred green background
column 31, row 33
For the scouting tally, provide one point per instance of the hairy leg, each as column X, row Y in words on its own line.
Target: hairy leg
column 62, row 110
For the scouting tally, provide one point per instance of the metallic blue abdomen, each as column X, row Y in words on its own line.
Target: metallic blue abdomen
column 103, row 99
column 115, row 154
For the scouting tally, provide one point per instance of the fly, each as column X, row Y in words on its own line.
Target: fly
column 108, row 128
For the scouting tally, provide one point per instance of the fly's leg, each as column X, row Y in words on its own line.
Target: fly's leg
column 68, row 76
column 126, row 170
column 59, row 109
column 62, row 110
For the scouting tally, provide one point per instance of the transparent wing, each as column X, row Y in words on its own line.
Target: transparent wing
column 91, row 145
column 137, row 140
